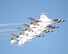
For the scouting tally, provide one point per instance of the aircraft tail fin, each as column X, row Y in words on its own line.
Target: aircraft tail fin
column 44, row 17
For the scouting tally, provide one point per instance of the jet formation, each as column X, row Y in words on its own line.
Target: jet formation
column 36, row 29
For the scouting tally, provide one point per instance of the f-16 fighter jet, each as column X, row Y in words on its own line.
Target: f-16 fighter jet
column 21, row 38
column 25, row 35
column 44, row 21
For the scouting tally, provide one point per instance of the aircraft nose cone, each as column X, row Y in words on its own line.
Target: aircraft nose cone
column 51, row 30
column 62, row 20
column 56, row 26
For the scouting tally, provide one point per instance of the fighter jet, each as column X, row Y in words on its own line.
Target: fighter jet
column 24, row 36
column 44, row 21
column 20, row 38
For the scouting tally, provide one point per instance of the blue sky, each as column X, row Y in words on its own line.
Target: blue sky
column 18, row 11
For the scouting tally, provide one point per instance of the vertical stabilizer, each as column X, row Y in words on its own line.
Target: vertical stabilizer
column 44, row 17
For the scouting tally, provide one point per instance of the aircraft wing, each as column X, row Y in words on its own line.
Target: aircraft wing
column 27, row 27
column 21, row 30
column 51, row 27
column 33, row 21
column 14, row 37
column 57, row 20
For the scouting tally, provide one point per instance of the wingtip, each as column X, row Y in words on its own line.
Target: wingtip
column 56, row 26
